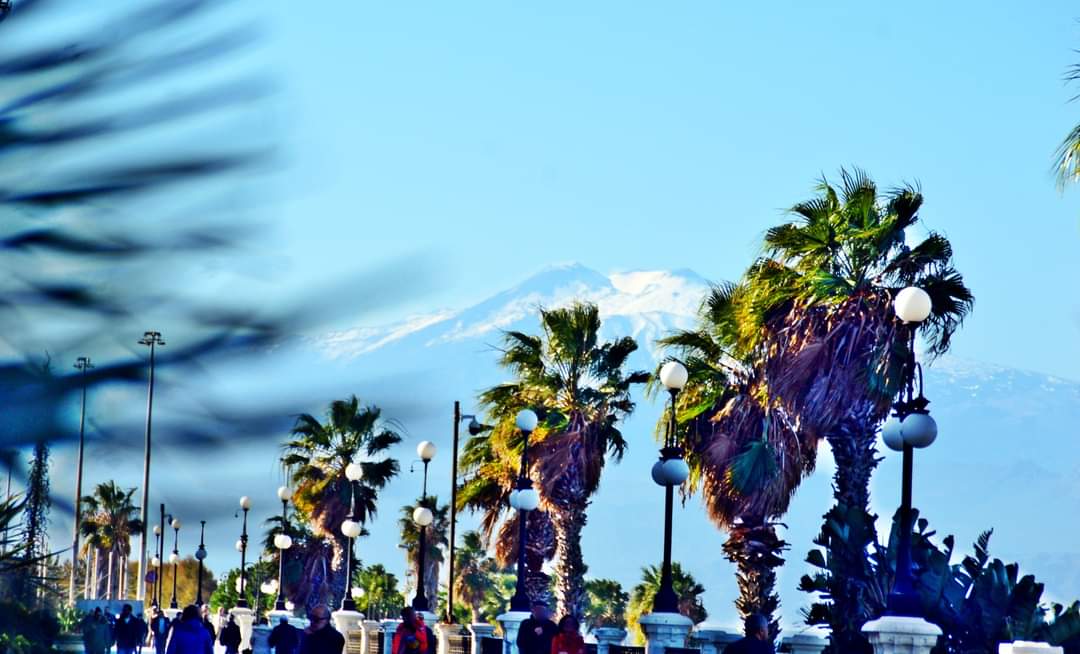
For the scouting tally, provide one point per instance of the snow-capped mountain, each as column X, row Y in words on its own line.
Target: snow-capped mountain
column 1006, row 457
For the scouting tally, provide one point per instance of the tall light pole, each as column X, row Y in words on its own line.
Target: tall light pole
column 282, row 542
column 200, row 554
column 241, row 546
column 423, row 517
column 909, row 427
column 474, row 429
column 174, row 558
column 523, row 498
column 155, row 563
column 82, row 364
column 350, row 528
column 152, row 340
column 669, row 472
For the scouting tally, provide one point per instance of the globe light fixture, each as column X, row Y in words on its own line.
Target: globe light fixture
column 354, row 472
column 526, row 421
column 157, row 530
column 890, row 434
column 673, row 375
column 289, row 606
column 527, row 499
column 284, row 493
column 356, row 592
column 918, row 430
column 422, row 516
column 426, row 450
column 176, row 523
column 670, row 471
column 156, row 562
column 912, row 305
column 174, row 558
column 282, row 541
column 245, row 503
column 350, row 528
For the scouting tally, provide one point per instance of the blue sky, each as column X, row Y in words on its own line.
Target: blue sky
column 491, row 139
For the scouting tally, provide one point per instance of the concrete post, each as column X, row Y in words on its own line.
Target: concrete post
column 1027, row 647
column 260, row 639
column 388, row 629
column 805, row 643
column 371, row 630
column 479, row 632
column 901, row 635
column 664, row 630
column 606, row 637
column 711, row 638
column 348, row 624
column 511, row 622
column 245, row 619
column 443, row 631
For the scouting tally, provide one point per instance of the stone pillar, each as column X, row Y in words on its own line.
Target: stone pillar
column 606, row 637
column 511, row 622
column 901, row 635
column 805, row 643
column 479, row 631
column 371, row 630
column 1027, row 647
column 443, row 631
column 388, row 629
column 245, row 618
column 664, row 630
column 260, row 639
column 348, row 624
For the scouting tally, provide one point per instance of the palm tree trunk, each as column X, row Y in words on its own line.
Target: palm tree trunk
column 337, row 583
column 756, row 551
column 570, row 567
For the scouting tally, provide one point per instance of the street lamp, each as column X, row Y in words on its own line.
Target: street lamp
column 200, row 554
column 474, row 428
column 909, row 427
column 423, row 517
column 82, row 364
column 282, row 542
column 156, row 564
column 174, row 558
column 159, row 587
column 241, row 546
column 669, row 472
column 523, row 498
column 351, row 528
column 151, row 340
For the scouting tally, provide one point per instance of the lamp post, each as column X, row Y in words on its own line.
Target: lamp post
column 350, row 528
column 174, row 558
column 155, row 563
column 82, row 364
column 523, row 498
column 474, row 428
column 151, row 340
column 159, row 591
column 282, row 542
column 909, row 427
column 200, row 554
column 241, row 546
column 669, row 472
column 423, row 517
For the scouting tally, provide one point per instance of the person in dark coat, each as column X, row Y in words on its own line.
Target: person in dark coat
column 230, row 636
column 96, row 633
column 320, row 637
column 537, row 631
column 284, row 638
column 159, row 627
column 756, row 640
column 128, row 632
column 188, row 634
column 204, row 612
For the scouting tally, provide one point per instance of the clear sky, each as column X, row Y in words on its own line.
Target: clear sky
column 490, row 139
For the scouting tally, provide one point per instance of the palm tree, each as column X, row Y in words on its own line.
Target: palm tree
column 745, row 453
column 110, row 519
column 687, row 589
column 491, row 475
column 436, row 540
column 381, row 598
column 607, row 604
column 818, row 304
column 475, row 572
column 580, row 390
column 317, row 456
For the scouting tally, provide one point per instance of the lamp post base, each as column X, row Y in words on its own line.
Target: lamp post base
column 511, row 623
column 901, row 635
column 664, row 630
column 245, row 619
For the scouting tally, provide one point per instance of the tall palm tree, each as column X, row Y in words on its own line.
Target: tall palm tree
column 110, row 519
column 491, row 473
column 475, row 573
column 818, row 303
column 317, row 456
column 580, row 390
column 745, row 453
column 436, row 541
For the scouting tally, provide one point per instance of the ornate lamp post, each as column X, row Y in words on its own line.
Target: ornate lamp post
column 910, row 426
column 523, row 498
column 669, row 472
column 174, row 558
column 155, row 563
column 474, row 428
column 82, row 364
column 159, row 590
column 241, row 546
column 422, row 516
column 282, row 542
column 350, row 528
column 200, row 554
column 151, row 340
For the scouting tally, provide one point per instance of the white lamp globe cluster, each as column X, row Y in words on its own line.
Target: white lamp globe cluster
column 917, row 430
column 282, row 541
column 524, row 499
column 422, row 516
column 670, row 472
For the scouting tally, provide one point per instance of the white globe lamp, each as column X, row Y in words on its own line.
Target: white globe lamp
column 426, row 451
column 354, row 471
column 282, row 541
column 526, row 420
column 890, row 433
column 919, row 430
column 422, row 516
column 673, row 375
column 912, row 305
column 284, row 493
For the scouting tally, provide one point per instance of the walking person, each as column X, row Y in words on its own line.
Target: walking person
column 204, row 612
column 96, row 636
column 568, row 640
column 128, row 632
column 144, row 633
column 320, row 637
column 411, row 636
column 231, row 637
column 756, row 640
column 284, row 637
column 188, row 634
column 159, row 629
column 537, row 631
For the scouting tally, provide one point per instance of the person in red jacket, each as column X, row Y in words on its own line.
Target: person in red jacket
column 411, row 635
column 568, row 640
